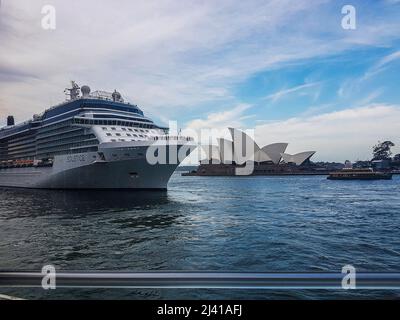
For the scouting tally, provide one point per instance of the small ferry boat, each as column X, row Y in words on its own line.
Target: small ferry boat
column 359, row 174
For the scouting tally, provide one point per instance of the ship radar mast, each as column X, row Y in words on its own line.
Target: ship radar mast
column 73, row 93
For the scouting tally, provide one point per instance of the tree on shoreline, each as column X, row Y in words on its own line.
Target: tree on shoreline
column 382, row 151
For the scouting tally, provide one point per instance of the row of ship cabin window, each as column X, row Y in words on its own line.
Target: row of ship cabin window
column 128, row 135
column 130, row 129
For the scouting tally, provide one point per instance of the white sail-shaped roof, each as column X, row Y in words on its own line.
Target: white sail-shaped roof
column 226, row 151
column 212, row 154
column 245, row 148
column 261, row 156
column 298, row 158
column 274, row 151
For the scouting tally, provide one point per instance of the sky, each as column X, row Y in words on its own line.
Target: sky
column 286, row 69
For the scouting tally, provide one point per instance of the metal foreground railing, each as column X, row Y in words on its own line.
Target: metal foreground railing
column 210, row 280
column 7, row 297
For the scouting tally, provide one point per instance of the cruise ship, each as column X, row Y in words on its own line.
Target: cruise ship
column 93, row 140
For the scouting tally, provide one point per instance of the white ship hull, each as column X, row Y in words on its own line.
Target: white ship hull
column 121, row 167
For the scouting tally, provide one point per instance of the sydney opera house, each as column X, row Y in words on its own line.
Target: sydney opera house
column 224, row 158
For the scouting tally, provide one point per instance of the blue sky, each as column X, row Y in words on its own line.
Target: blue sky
column 284, row 68
column 322, row 84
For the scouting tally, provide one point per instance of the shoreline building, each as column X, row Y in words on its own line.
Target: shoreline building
column 223, row 159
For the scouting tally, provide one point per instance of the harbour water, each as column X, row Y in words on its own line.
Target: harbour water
column 290, row 223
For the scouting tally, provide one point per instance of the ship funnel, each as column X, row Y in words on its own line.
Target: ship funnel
column 85, row 91
column 10, row 121
column 116, row 96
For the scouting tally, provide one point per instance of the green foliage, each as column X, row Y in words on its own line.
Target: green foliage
column 382, row 151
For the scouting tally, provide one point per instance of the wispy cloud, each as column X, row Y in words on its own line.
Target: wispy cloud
column 351, row 85
column 219, row 120
column 178, row 58
column 381, row 65
column 169, row 56
column 371, row 97
column 347, row 134
column 339, row 135
column 284, row 92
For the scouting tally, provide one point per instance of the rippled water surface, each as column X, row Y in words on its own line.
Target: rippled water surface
column 218, row 223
